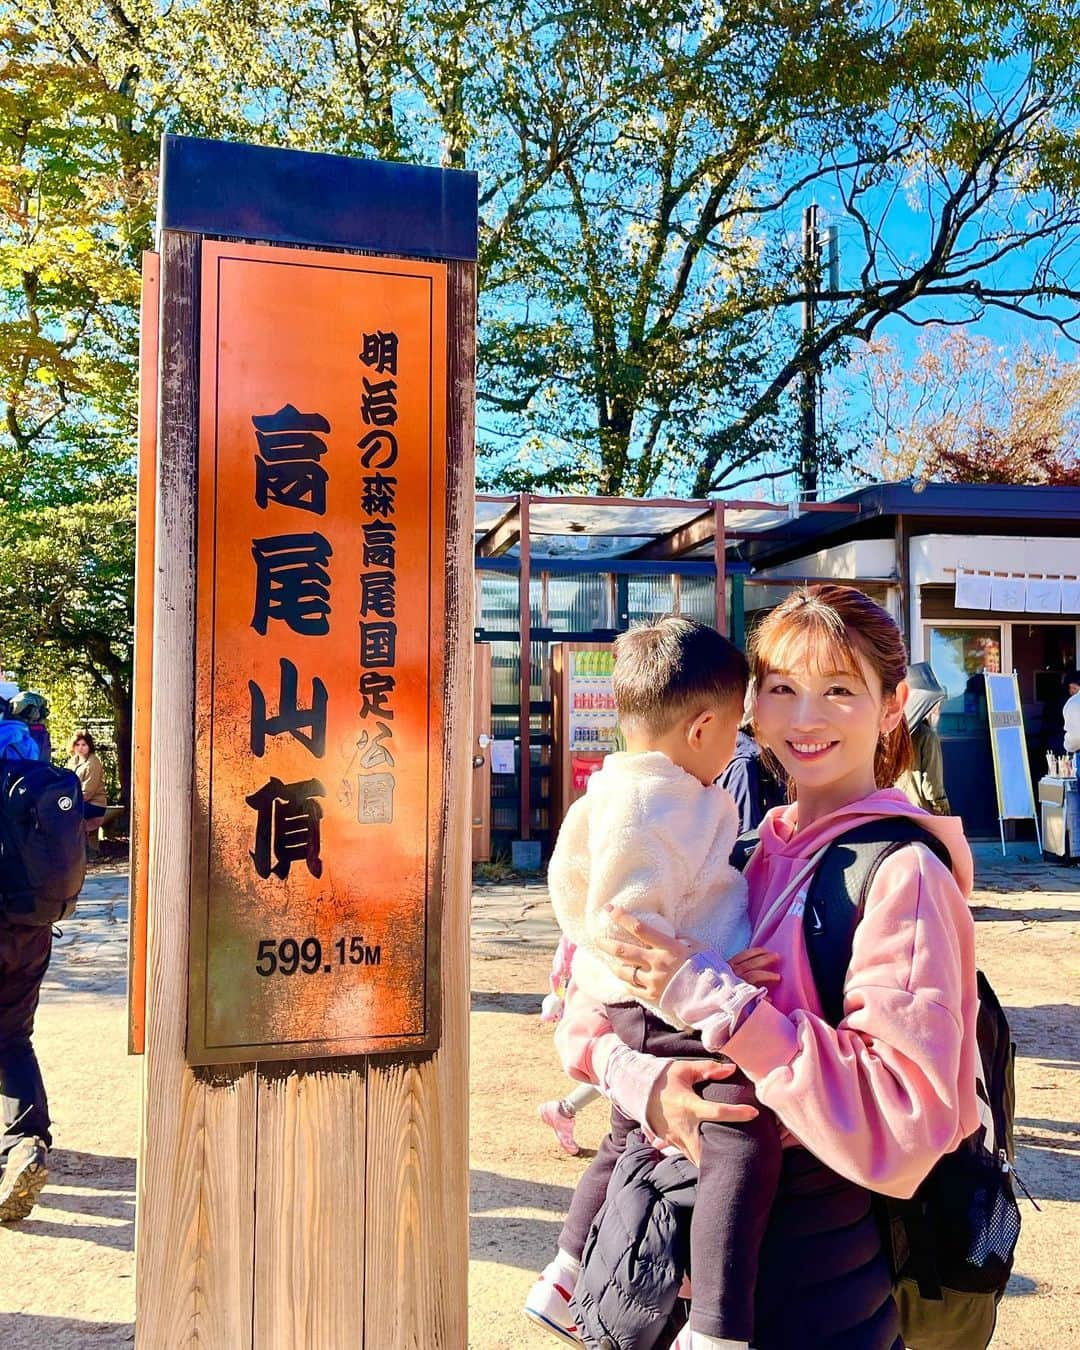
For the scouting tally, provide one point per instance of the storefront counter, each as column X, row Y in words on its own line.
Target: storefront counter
column 1059, row 807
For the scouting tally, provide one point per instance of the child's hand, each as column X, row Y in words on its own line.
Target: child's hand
column 756, row 965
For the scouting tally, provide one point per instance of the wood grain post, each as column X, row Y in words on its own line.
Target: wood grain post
column 720, row 559
column 302, row 1204
column 195, row 1219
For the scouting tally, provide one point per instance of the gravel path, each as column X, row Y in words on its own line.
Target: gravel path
column 69, row 1269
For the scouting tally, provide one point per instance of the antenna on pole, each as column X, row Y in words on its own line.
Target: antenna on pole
column 832, row 256
column 815, row 242
column 808, row 450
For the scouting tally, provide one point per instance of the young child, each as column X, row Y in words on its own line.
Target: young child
column 561, row 1112
column 652, row 837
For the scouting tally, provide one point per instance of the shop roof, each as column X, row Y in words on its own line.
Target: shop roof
column 619, row 527
column 933, row 508
column 758, row 532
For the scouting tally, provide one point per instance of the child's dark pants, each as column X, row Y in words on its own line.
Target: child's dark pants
column 739, row 1175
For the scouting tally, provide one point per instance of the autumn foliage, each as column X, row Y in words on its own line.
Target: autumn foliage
column 992, row 455
column 967, row 411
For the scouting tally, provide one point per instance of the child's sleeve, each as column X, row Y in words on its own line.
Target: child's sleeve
column 591, row 1052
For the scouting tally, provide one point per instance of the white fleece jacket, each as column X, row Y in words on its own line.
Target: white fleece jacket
column 649, row 838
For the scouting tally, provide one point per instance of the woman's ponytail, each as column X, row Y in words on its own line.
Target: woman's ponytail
column 894, row 756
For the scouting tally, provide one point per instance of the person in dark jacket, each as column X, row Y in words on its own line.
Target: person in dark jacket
column 924, row 783
column 24, row 958
column 751, row 782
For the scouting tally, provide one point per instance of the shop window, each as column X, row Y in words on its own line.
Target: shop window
column 960, row 657
column 650, row 597
column 698, row 599
column 579, row 604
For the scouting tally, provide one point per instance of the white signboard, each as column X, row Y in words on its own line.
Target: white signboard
column 1016, row 799
column 502, row 756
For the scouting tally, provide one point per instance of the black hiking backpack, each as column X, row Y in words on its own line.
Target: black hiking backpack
column 42, row 842
column 952, row 1243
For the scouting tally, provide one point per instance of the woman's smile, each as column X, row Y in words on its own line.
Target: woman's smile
column 808, row 751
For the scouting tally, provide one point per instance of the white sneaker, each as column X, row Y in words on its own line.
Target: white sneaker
column 548, row 1305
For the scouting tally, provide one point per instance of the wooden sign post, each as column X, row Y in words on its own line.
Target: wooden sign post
column 303, row 1159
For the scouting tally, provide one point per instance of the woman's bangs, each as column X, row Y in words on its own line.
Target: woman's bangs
column 806, row 641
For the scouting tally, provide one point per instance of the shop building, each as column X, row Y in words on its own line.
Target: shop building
column 584, row 569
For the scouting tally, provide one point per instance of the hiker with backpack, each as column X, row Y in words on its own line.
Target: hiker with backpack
column 42, row 867
column 33, row 709
column 854, row 1015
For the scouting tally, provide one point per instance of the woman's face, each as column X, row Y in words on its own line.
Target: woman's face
column 824, row 728
column 81, row 748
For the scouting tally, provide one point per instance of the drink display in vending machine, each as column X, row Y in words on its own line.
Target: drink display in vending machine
column 585, row 721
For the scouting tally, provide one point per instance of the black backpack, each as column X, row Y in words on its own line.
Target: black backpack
column 42, row 842
column 952, row 1243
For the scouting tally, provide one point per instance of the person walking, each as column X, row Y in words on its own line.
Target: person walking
column 560, row 1113
column 924, row 783
column 24, row 958
column 33, row 709
column 752, row 781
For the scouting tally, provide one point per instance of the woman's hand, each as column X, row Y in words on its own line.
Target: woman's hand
column 675, row 1111
column 756, row 965
column 648, row 962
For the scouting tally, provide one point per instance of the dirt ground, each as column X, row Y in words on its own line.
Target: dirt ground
column 68, row 1271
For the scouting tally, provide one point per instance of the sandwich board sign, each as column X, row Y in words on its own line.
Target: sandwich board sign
column 1012, row 772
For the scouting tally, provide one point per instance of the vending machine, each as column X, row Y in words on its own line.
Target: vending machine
column 584, row 722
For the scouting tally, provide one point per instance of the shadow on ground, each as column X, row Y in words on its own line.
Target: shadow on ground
column 86, row 1186
column 28, row 1331
column 493, row 1001
column 994, row 914
column 526, row 1241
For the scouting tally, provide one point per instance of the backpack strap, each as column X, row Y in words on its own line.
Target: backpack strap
column 837, row 897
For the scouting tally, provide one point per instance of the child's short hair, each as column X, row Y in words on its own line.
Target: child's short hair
column 665, row 670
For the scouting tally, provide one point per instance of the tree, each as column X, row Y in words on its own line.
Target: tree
column 66, row 594
column 966, row 411
column 642, row 170
column 657, row 343
column 641, row 173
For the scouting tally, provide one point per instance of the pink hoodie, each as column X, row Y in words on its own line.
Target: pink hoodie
column 881, row 1097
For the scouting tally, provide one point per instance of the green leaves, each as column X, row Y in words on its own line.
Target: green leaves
column 642, row 174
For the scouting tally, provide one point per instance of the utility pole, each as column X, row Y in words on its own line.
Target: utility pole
column 808, row 447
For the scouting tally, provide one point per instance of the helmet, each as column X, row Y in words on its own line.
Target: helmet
column 29, row 707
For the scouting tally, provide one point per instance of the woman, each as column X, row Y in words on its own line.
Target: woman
column 90, row 773
column 875, row 1101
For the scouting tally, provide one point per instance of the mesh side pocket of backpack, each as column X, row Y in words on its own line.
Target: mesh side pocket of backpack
column 976, row 1219
column 995, row 1227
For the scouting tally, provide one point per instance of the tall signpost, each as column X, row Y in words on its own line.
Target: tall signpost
column 303, row 1159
